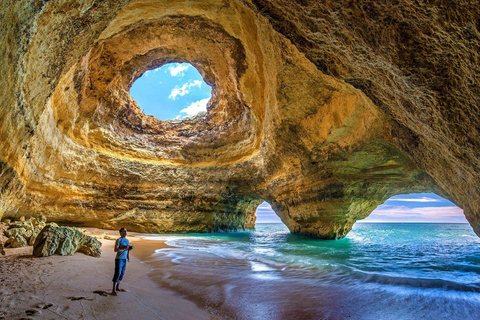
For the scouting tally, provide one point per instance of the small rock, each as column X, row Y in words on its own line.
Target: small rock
column 40, row 225
column 44, row 305
column 3, row 237
column 22, row 218
column 32, row 239
column 33, row 312
column 108, row 237
column 27, row 225
column 19, row 232
column 41, row 219
column 16, row 242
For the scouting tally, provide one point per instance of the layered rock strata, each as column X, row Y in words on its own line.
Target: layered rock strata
column 325, row 110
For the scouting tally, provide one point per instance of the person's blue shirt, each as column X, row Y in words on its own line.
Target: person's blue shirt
column 122, row 243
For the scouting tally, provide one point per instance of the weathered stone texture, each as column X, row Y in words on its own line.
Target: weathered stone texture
column 324, row 109
column 65, row 242
column 21, row 233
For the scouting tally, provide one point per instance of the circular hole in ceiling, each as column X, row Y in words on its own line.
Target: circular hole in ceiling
column 175, row 91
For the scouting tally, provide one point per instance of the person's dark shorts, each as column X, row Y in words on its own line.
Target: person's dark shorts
column 120, row 266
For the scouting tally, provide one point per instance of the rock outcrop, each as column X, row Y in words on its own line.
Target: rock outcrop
column 21, row 233
column 65, row 241
column 324, row 109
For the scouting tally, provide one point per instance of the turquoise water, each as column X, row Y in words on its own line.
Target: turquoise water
column 379, row 271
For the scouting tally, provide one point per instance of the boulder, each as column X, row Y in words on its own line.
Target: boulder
column 2, row 238
column 27, row 225
column 16, row 241
column 41, row 219
column 32, row 239
column 26, row 233
column 3, row 227
column 65, row 241
column 21, row 233
column 105, row 236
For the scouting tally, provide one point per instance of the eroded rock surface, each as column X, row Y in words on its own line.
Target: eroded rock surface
column 21, row 233
column 65, row 241
column 323, row 109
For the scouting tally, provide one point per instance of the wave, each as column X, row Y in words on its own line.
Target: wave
column 349, row 274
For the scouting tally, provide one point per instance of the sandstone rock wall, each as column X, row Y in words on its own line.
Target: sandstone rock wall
column 323, row 109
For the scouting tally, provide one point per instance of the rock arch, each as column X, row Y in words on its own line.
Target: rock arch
column 322, row 134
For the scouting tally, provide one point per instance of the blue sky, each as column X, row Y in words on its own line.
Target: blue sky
column 265, row 214
column 177, row 90
column 418, row 207
column 174, row 91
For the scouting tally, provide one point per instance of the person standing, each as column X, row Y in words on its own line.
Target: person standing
column 122, row 248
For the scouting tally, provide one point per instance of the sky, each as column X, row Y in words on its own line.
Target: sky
column 173, row 91
column 417, row 207
column 177, row 90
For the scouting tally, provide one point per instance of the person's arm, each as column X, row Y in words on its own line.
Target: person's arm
column 117, row 248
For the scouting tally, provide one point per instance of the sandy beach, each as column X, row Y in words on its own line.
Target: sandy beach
column 76, row 287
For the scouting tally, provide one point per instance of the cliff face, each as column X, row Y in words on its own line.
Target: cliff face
column 325, row 110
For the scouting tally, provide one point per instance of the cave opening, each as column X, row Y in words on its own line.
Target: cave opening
column 416, row 208
column 174, row 91
column 265, row 214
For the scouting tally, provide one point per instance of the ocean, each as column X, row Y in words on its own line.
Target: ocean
column 379, row 271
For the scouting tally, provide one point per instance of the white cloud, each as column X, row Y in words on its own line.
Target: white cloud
column 422, row 199
column 185, row 89
column 146, row 73
column 178, row 70
column 264, row 206
column 265, row 214
column 388, row 213
column 195, row 108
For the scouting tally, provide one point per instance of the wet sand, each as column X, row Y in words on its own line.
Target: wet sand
column 77, row 287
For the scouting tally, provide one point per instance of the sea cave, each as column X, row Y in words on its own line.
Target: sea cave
column 324, row 110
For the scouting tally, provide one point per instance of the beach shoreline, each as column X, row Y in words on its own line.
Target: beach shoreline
column 76, row 287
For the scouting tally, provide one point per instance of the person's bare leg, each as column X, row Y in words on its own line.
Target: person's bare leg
column 118, row 287
column 114, row 293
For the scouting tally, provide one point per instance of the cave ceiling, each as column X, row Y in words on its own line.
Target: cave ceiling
column 323, row 109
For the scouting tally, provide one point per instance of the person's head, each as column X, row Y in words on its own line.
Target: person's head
column 123, row 232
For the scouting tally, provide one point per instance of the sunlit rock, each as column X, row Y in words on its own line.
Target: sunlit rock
column 325, row 110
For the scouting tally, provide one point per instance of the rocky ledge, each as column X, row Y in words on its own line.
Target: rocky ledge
column 322, row 109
